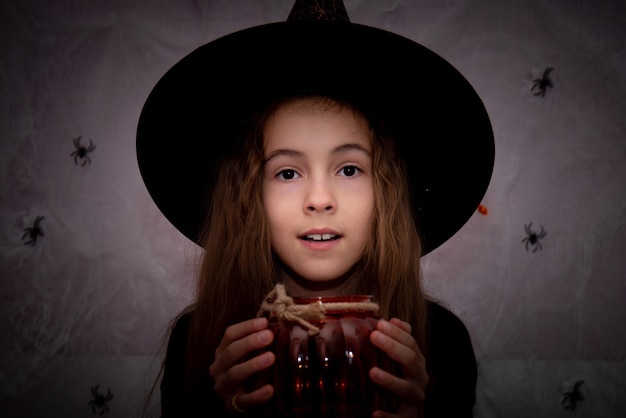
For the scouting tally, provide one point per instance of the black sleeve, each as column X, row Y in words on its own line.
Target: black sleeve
column 451, row 366
column 172, row 383
column 178, row 399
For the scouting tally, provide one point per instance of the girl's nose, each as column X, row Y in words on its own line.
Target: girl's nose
column 320, row 198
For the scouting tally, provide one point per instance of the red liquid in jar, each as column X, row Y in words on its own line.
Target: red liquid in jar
column 326, row 375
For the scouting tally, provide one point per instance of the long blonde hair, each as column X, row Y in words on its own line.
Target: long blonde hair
column 238, row 267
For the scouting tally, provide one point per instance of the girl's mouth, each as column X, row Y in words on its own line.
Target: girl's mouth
column 320, row 237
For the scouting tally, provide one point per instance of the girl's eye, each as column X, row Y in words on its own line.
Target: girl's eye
column 349, row 171
column 287, row 174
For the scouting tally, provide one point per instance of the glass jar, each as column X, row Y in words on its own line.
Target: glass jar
column 322, row 370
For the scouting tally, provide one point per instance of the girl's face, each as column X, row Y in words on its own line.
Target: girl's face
column 318, row 190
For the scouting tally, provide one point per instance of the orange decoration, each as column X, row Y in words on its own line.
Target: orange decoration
column 483, row 209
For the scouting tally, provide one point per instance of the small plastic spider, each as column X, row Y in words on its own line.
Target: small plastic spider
column 33, row 232
column 82, row 152
column 99, row 400
column 532, row 238
column 542, row 84
column 571, row 398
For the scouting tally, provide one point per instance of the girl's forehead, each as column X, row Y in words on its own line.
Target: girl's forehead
column 322, row 107
column 306, row 117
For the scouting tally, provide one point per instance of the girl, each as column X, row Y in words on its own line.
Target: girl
column 313, row 166
column 314, row 189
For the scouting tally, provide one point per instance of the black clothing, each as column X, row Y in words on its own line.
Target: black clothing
column 450, row 364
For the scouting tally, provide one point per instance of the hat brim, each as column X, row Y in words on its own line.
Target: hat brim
column 440, row 124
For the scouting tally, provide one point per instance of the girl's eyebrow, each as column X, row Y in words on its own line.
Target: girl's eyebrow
column 351, row 146
column 338, row 150
column 279, row 152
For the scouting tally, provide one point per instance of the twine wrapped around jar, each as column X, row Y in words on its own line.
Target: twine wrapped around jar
column 279, row 305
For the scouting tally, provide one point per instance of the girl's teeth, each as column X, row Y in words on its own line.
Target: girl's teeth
column 320, row 237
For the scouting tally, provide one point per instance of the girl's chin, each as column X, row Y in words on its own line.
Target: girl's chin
column 305, row 282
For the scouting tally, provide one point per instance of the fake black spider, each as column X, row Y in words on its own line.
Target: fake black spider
column 542, row 84
column 571, row 398
column 99, row 400
column 33, row 232
column 82, row 152
column 532, row 238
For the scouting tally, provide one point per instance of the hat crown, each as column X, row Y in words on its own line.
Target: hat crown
column 316, row 10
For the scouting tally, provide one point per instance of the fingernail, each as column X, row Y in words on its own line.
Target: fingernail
column 267, row 391
column 379, row 337
column 265, row 337
column 265, row 359
column 377, row 375
column 384, row 326
column 259, row 323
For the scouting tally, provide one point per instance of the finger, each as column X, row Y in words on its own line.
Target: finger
column 409, row 358
column 396, row 350
column 228, row 382
column 402, row 348
column 238, row 350
column 247, row 401
column 401, row 388
column 240, row 330
column 398, row 333
column 382, row 414
column 404, row 325
column 403, row 411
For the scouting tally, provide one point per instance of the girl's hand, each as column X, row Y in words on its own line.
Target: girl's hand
column 233, row 365
column 394, row 338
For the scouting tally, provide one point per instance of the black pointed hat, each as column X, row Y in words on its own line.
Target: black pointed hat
column 439, row 122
